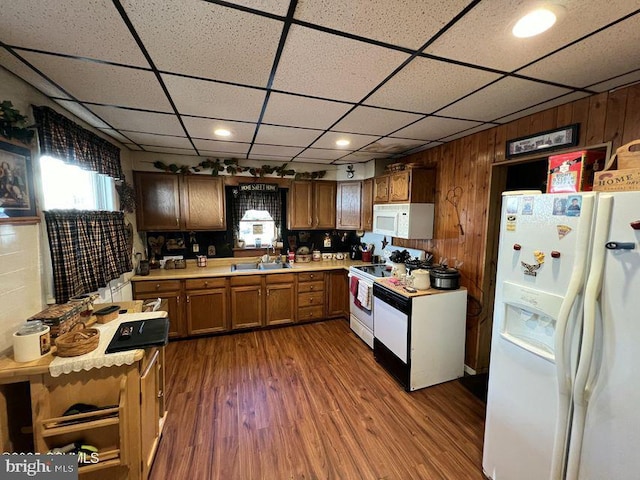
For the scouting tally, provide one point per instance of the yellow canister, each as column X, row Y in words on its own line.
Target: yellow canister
column 31, row 342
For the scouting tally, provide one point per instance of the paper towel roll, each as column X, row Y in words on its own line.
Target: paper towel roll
column 31, row 342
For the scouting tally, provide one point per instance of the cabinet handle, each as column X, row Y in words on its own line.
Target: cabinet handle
column 311, row 275
column 160, row 394
column 310, row 287
column 177, row 222
column 188, row 299
column 157, row 286
column 267, row 292
column 259, row 293
column 311, row 300
column 206, row 284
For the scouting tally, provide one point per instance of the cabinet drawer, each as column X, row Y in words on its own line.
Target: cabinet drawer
column 310, row 313
column 310, row 276
column 311, row 286
column 158, row 286
column 204, row 283
column 242, row 280
column 310, row 298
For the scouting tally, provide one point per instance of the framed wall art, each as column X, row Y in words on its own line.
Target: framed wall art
column 544, row 141
column 17, row 194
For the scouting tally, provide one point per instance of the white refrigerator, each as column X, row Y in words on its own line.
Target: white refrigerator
column 564, row 386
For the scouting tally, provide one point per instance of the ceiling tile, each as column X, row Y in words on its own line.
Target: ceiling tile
column 328, row 140
column 219, row 146
column 471, row 131
column 622, row 80
column 329, row 66
column 483, row 36
column 137, row 121
column 318, row 161
column 175, row 151
column 102, row 83
column 204, row 128
column 406, row 24
column 115, row 135
column 207, row 40
column 158, row 140
column 391, row 146
column 132, row 146
column 85, row 28
column 570, row 68
column 217, row 100
column 432, row 128
column 273, row 158
column 277, row 7
column 502, row 98
column 302, row 111
column 17, row 67
column 544, row 106
column 374, row 121
column 323, row 154
column 297, row 137
column 81, row 112
column 275, row 150
column 426, row 85
column 360, row 157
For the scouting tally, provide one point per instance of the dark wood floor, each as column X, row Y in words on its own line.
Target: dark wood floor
column 309, row 402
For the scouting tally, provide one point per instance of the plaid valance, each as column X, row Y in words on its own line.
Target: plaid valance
column 67, row 141
column 88, row 250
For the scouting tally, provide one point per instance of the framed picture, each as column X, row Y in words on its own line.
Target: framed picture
column 17, row 195
column 544, row 141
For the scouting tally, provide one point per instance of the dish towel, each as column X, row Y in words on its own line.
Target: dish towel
column 364, row 295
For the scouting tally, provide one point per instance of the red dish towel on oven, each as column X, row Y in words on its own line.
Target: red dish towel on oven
column 353, row 288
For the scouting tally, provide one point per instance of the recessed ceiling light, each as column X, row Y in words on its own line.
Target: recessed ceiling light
column 342, row 142
column 222, row 132
column 534, row 23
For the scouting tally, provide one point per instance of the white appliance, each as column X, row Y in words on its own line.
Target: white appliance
column 419, row 339
column 361, row 319
column 404, row 220
column 563, row 383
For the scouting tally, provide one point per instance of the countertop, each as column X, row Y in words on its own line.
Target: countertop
column 386, row 282
column 222, row 268
column 12, row 371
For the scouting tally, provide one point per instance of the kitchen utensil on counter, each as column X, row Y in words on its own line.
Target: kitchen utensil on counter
column 420, row 279
column 31, row 341
column 445, row 278
column 339, row 256
column 366, row 256
column 78, row 342
column 202, row 260
column 317, row 255
column 355, row 252
column 107, row 314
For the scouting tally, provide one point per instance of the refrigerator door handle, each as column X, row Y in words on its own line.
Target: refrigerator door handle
column 585, row 361
column 620, row 245
column 562, row 353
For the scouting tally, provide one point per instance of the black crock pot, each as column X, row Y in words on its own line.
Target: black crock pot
column 444, row 278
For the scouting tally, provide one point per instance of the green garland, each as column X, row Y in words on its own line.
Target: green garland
column 230, row 165
column 13, row 124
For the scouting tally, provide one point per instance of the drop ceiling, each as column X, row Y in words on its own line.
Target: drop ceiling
column 289, row 78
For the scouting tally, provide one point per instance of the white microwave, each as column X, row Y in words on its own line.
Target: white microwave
column 404, row 220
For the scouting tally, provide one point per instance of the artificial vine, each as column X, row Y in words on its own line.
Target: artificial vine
column 230, row 165
column 13, row 124
column 127, row 196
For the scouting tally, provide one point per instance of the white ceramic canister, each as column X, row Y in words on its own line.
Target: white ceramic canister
column 420, row 279
column 317, row 256
column 31, row 342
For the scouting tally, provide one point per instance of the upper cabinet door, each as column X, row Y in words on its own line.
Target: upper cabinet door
column 381, row 189
column 399, row 186
column 300, row 205
column 158, row 201
column 367, row 205
column 348, row 206
column 203, row 202
column 325, row 205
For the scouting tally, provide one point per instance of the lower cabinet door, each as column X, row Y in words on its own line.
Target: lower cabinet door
column 149, row 411
column 280, row 304
column 207, row 311
column 170, row 303
column 246, row 306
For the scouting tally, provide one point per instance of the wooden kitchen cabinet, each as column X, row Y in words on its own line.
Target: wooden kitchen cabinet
column 414, row 185
column 152, row 406
column 246, row 302
column 206, row 305
column 280, row 299
column 311, row 205
column 354, row 205
column 170, row 294
column 168, row 202
column 337, row 289
column 311, row 302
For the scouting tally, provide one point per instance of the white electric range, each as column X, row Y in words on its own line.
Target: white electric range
column 361, row 296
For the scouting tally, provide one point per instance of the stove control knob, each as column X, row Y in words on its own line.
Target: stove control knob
column 517, row 246
column 555, row 254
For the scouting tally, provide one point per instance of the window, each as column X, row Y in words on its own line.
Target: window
column 257, row 228
column 89, row 190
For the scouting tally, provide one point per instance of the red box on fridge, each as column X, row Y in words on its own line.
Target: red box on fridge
column 573, row 172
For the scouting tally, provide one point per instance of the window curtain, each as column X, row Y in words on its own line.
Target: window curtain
column 88, row 250
column 246, row 200
column 67, row 141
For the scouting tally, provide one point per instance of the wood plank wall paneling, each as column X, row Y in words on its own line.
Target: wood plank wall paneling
column 467, row 162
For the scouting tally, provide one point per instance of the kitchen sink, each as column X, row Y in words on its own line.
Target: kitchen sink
column 244, row 266
column 273, row 266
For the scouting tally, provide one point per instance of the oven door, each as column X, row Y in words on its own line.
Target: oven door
column 361, row 321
